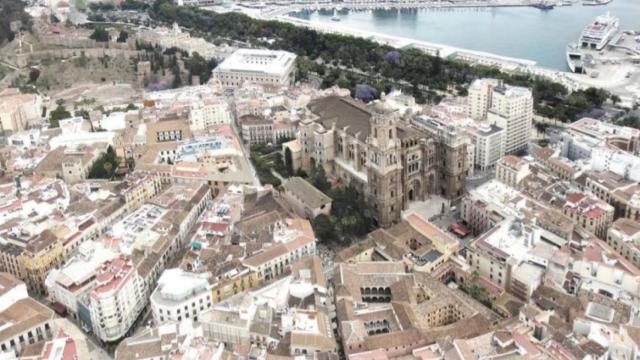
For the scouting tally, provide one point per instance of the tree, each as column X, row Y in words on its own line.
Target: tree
column 12, row 11
column 324, row 229
column 366, row 93
column 278, row 165
column 122, row 37
column 541, row 127
column 263, row 169
column 201, row 67
column 100, row 35
column 134, row 5
column 301, row 173
column 58, row 114
column 630, row 121
column 34, row 74
column 104, row 167
column 82, row 113
column 319, row 179
column 288, row 161
column 349, row 213
column 615, row 99
column 596, row 97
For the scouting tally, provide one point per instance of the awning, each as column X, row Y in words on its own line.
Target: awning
column 459, row 230
column 59, row 308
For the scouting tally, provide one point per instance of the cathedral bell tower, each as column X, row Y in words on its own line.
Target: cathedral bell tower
column 384, row 167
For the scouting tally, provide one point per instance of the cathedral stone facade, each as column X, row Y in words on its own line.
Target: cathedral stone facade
column 371, row 147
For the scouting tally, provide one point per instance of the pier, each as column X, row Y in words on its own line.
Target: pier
column 620, row 79
column 273, row 10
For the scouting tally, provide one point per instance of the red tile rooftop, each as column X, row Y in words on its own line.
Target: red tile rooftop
column 575, row 197
column 70, row 238
column 524, row 343
column 621, row 263
column 13, row 206
column 112, row 275
column 215, row 227
column 278, row 250
column 85, row 225
column 594, row 213
column 69, row 351
column 430, row 231
column 110, row 242
column 188, row 169
column 511, row 160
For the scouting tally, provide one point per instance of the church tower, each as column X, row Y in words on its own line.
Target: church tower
column 384, row 167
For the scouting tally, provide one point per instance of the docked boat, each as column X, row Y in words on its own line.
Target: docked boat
column 598, row 34
column 575, row 59
column 335, row 16
column 543, row 5
column 594, row 38
column 595, row 2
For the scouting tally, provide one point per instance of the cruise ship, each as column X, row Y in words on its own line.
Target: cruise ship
column 595, row 37
column 598, row 34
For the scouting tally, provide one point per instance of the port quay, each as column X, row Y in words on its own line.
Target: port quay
column 280, row 12
column 282, row 7
column 611, row 78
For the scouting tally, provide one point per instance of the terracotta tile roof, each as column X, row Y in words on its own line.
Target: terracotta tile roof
column 23, row 315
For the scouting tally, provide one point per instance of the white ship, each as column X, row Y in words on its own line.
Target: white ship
column 575, row 59
column 598, row 34
column 595, row 37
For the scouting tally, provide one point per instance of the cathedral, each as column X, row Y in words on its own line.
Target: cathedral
column 371, row 147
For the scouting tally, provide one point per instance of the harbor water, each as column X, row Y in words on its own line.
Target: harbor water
column 519, row 32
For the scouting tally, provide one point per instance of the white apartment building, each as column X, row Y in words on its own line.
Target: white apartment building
column 78, row 276
column 290, row 244
column 212, row 112
column 489, row 143
column 180, row 296
column 512, row 109
column 265, row 67
column 508, row 107
column 230, row 322
column 502, row 249
column 617, row 161
column 116, row 301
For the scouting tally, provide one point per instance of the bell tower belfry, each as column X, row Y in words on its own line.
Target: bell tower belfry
column 384, row 167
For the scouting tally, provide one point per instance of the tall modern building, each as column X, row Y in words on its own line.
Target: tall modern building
column 479, row 99
column 508, row 107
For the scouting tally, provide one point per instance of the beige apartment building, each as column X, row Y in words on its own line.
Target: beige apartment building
column 624, row 238
column 508, row 107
